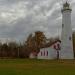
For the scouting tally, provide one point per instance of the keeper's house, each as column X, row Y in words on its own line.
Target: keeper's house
column 51, row 52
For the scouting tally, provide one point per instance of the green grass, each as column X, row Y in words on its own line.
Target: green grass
column 36, row 67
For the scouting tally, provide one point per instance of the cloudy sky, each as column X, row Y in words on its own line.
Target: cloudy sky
column 19, row 18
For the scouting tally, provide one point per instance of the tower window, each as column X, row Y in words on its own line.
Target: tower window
column 62, row 25
column 69, row 38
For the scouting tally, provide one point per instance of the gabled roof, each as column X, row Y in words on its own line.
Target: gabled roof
column 50, row 44
column 55, row 42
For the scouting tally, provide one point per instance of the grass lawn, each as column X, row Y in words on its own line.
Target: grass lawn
column 36, row 67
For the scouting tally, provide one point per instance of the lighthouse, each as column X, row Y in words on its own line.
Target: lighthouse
column 66, row 35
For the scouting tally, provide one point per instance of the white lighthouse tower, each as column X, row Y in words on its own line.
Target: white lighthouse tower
column 66, row 35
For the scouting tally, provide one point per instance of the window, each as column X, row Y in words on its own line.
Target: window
column 62, row 25
column 47, row 53
column 58, row 45
column 54, row 46
column 41, row 53
column 69, row 38
column 44, row 53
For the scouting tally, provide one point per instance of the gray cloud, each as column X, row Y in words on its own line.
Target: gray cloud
column 19, row 18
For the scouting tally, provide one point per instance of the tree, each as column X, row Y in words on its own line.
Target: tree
column 34, row 43
column 40, row 38
column 13, row 49
column 4, row 50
